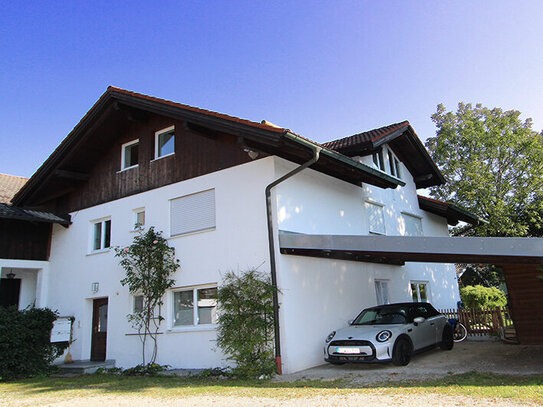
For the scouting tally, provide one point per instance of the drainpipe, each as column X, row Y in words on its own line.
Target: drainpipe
column 271, row 243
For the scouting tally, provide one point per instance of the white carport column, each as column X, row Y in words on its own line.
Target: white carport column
column 42, row 286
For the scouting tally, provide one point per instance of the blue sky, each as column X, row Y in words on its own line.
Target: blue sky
column 325, row 69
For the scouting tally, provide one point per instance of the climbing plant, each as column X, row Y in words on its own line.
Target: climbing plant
column 148, row 263
column 245, row 322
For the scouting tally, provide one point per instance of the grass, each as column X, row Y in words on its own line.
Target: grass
column 48, row 389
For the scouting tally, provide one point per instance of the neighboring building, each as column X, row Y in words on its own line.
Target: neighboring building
column 136, row 161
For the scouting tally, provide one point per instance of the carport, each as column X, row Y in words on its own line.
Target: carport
column 520, row 258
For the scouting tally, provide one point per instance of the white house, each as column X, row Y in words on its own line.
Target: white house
column 200, row 178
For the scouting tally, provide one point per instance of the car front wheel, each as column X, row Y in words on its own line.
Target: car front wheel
column 401, row 355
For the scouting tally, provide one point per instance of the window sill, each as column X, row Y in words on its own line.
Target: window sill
column 192, row 233
column 107, row 249
column 128, row 168
column 162, row 156
column 192, row 328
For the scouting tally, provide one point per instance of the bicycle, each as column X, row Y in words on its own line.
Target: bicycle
column 459, row 330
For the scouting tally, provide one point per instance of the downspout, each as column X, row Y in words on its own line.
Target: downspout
column 271, row 243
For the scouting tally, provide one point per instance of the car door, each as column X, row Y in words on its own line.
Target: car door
column 424, row 333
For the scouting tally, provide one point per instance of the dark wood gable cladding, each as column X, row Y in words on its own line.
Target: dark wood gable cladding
column 99, row 159
column 24, row 240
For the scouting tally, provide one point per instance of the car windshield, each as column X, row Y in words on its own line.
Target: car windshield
column 382, row 316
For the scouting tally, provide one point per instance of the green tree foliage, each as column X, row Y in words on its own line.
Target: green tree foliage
column 148, row 262
column 493, row 164
column 479, row 297
column 246, row 328
column 25, row 342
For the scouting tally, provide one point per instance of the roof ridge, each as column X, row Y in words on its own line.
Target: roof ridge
column 377, row 129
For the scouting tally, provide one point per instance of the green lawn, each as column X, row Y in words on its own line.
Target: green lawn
column 47, row 389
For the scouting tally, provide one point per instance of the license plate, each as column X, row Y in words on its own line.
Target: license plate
column 351, row 351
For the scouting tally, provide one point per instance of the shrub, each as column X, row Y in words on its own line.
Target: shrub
column 25, row 347
column 245, row 331
column 479, row 297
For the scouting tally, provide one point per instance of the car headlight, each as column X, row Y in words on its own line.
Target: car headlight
column 329, row 337
column 383, row 336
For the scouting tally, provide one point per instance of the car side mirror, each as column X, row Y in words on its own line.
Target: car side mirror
column 350, row 321
column 418, row 320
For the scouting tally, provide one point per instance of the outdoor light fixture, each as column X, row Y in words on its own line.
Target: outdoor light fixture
column 11, row 274
column 95, row 287
column 252, row 154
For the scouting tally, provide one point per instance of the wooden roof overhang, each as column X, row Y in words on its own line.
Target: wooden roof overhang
column 72, row 160
column 398, row 250
column 451, row 212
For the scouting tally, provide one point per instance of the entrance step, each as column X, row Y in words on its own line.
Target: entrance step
column 85, row 366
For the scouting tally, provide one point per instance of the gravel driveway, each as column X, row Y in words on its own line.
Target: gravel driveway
column 467, row 356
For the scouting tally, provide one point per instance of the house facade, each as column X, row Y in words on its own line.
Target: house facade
column 199, row 177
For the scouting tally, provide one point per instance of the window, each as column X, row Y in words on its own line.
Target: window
column 129, row 154
column 378, row 160
column 192, row 213
column 419, row 291
column 376, row 218
column 101, row 235
column 381, row 291
column 394, row 164
column 138, row 303
column 412, row 225
column 139, row 218
column 196, row 306
column 165, row 142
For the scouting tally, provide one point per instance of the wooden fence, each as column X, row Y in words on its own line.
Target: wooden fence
column 482, row 322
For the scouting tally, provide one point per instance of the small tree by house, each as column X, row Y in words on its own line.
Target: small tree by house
column 148, row 262
column 246, row 325
column 479, row 297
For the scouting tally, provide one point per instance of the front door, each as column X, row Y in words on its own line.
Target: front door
column 99, row 329
column 10, row 289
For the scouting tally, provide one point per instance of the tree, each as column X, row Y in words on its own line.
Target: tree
column 479, row 297
column 148, row 262
column 493, row 164
column 246, row 325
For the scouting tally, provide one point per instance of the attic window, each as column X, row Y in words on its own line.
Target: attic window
column 378, row 160
column 129, row 154
column 394, row 164
column 165, row 142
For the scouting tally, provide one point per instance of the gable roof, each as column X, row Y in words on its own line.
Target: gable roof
column 405, row 143
column 453, row 213
column 9, row 186
column 264, row 137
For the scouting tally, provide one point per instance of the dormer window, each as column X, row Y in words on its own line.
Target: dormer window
column 129, row 155
column 378, row 160
column 165, row 142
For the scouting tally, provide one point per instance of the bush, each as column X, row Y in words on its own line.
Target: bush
column 245, row 331
column 25, row 347
column 479, row 297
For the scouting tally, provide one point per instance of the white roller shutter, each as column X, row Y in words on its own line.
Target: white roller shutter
column 192, row 213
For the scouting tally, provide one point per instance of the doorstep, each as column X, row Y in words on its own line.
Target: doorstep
column 85, row 366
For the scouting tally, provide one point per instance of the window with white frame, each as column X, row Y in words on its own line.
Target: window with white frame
column 378, row 160
column 129, row 154
column 101, row 234
column 139, row 218
column 165, row 142
column 195, row 306
column 137, row 305
column 419, row 291
column 412, row 225
column 376, row 218
column 394, row 165
column 192, row 213
column 381, row 292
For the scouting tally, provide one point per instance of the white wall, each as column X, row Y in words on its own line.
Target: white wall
column 238, row 243
column 320, row 295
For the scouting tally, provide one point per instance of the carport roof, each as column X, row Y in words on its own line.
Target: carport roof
column 400, row 249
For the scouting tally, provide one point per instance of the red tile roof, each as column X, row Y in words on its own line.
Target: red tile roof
column 366, row 136
column 263, row 126
column 9, row 185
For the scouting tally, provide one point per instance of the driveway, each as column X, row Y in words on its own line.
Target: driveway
column 467, row 356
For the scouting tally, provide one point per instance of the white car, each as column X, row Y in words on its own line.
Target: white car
column 391, row 332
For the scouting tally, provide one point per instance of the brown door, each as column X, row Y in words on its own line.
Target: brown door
column 99, row 329
column 10, row 289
